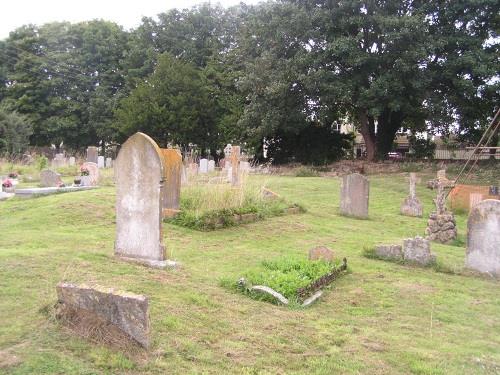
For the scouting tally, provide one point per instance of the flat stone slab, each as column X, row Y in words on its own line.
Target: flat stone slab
column 160, row 264
column 389, row 251
column 127, row 311
column 4, row 195
column 30, row 192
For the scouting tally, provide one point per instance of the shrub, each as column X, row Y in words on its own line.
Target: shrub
column 306, row 172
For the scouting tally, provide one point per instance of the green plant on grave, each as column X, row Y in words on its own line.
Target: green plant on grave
column 41, row 162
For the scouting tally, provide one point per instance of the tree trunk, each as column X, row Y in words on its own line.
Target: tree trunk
column 367, row 131
column 388, row 124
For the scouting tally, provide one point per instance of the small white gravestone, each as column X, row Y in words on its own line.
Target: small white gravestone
column 100, row 162
column 109, row 163
column 204, row 166
column 211, row 165
column 72, row 161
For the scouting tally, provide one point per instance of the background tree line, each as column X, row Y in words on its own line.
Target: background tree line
column 283, row 73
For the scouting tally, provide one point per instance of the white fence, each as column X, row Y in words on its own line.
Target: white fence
column 461, row 154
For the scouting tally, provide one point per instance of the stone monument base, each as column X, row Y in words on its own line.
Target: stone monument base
column 160, row 264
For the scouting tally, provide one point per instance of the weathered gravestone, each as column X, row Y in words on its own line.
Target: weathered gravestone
column 92, row 179
column 100, row 161
column 50, row 178
column 411, row 206
column 354, row 195
column 483, row 237
column 140, row 177
column 389, row 251
column 235, row 165
column 418, row 250
column 172, row 187
column 92, row 153
column 59, row 161
column 211, row 165
column 126, row 311
column 203, row 165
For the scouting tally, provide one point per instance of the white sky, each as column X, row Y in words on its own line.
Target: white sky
column 128, row 13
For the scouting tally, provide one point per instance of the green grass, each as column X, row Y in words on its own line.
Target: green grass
column 382, row 318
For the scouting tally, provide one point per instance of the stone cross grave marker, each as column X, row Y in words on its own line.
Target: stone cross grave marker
column 412, row 206
column 140, row 178
column 354, row 195
column 172, row 187
column 92, row 153
column 483, row 237
column 235, row 165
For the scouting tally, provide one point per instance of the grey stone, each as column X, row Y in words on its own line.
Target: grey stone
column 92, row 153
column 389, row 251
column 412, row 206
column 354, row 195
column 418, row 250
column 321, row 253
column 265, row 289
column 50, row 178
column 483, row 237
column 140, row 177
column 312, row 299
column 100, row 161
column 127, row 311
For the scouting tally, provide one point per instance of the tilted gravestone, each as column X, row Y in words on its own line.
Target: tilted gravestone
column 92, row 153
column 50, row 178
column 411, row 206
column 93, row 177
column 140, row 177
column 172, row 188
column 354, row 195
column 235, row 165
column 483, row 237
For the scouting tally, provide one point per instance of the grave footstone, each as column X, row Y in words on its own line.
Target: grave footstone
column 354, row 195
column 140, row 178
column 483, row 237
column 49, row 178
column 203, row 165
column 100, row 161
column 92, row 153
column 411, row 205
column 172, row 187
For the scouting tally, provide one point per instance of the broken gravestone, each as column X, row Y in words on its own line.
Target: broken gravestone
column 126, row 311
column 49, row 178
column 354, row 195
column 321, row 253
column 412, row 206
column 483, row 237
column 441, row 226
column 418, row 250
column 140, row 178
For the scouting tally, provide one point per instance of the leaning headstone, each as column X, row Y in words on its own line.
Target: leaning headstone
column 126, row 311
column 100, row 161
column 203, row 165
column 418, row 250
column 211, row 165
column 109, row 162
column 483, row 237
column 92, row 153
column 50, row 178
column 321, row 253
column 140, row 178
column 441, row 226
column 92, row 179
column 72, row 161
column 354, row 195
column 172, row 189
column 235, row 165
column 412, row 206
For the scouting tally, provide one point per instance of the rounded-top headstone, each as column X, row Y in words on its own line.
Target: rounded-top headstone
column 139, row 175
column 483, row 237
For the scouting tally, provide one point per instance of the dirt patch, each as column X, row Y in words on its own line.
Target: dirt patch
column 8, row 359
column 416, row 288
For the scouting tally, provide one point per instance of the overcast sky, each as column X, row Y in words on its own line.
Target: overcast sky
column 128, row 13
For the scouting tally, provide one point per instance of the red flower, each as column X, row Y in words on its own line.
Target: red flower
column 7, row 183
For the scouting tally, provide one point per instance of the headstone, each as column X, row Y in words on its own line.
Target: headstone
column 483, row 237
column 92, row 153
column 389, row 251
column 418, row 250
column 127, row 311
column 354, row 195
column 59, row 161
column 441, row 226
column 203, row 165
column 211, row 165
column 50, row 178
column 411, row 206
column 172, row 188
column 140, row 178
column 109, row 163
column 321, row 253
column 93, row 177
column 474, row 198
column 72, row 161
column 100, row 161
column 235, row 165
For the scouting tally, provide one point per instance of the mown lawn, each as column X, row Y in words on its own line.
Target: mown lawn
column 382, row 318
